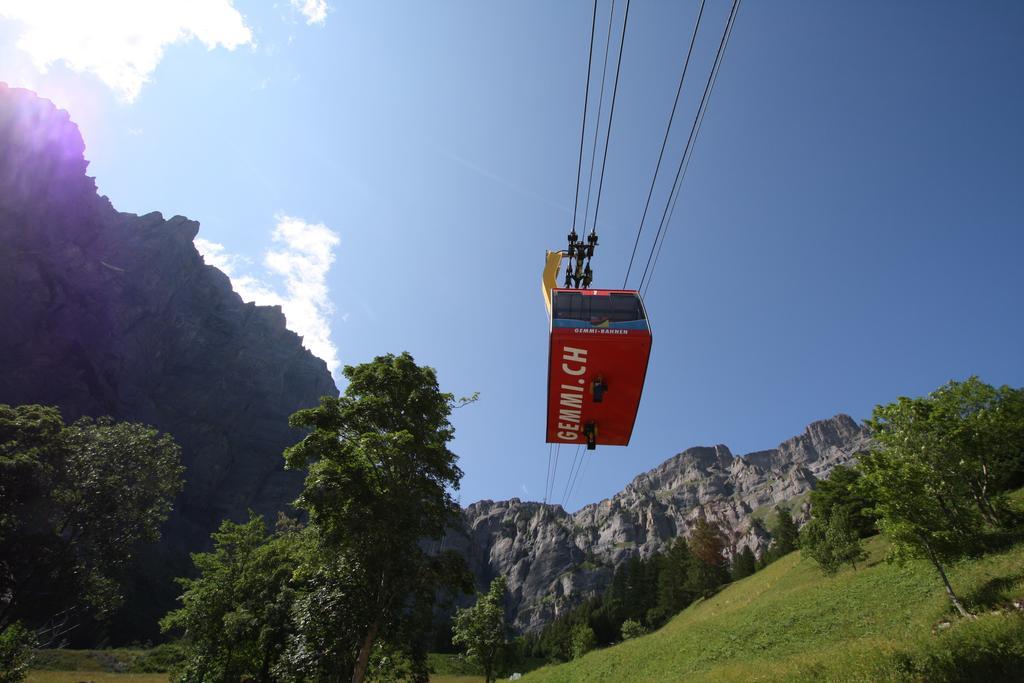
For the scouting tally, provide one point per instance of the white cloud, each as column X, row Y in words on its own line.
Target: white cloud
column 315, row 11
column 120, row 41
column 295, row 280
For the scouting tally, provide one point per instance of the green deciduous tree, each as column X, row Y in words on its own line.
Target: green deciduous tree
column 583, row 640
column 939, row 467
column 632, row 629
column 480, row 630
column 379, row 484
column 236, row 615
column 352, row 592
column 74, row 502
column 16, row 643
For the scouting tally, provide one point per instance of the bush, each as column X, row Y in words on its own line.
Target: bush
column 161, row 659
column 583, row 640
column 988, row 649
column 632, row 628
column 15, row 653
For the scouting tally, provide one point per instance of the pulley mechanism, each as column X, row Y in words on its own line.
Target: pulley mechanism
column 577, row 272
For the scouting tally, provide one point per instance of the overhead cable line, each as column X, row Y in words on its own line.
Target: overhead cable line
column 580, row 472
column 578, row 249
column 573, row 469
column 547, row 479
column 597, row 126
column 694, row 129
column 675, row 199
column 549, row 483
column 611, row 116
column 664, row 142
column 583, row 128
column 554, row 470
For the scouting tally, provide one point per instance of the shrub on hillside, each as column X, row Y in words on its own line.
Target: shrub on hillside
column 583, row 640
column 15, row 653
column 832, row 543
column 632, row 629
column 989, row 649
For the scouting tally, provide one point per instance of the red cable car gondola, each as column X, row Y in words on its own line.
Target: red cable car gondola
column 600, row 342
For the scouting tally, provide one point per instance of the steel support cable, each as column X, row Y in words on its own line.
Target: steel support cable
column 611, row 116
column 573, row 468
column 664, row 142
column 575, row 479
column 597, row 126
column 583, row 129
column 693, row 130
column 672, row 209
column 554, row 471
column 549, row 483
column 580, row 473
column 547, row 474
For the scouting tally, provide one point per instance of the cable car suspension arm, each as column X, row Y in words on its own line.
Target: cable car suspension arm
column 578, row 272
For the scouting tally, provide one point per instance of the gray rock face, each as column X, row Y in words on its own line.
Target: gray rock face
column 108, row 313
column 553, row 559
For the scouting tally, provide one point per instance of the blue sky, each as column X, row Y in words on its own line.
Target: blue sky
column 850, row 228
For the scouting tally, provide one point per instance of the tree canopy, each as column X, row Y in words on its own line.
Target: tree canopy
column 940, row 467
column 379, row 483
column 481, row 630
column 236, row 613
column 356, row 586
column 832, row 541
column 75, row 500
column 744, row 563
column 843, row 490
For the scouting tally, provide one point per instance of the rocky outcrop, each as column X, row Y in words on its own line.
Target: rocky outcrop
column 553, row 559
column 108, row 313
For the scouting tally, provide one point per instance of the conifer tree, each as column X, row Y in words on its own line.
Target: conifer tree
column 743, row 564
column 709, row 571
column 843, row 489
column 785, row 534
column 673, row 592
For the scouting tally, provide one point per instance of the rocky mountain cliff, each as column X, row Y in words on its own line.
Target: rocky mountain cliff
column 553, row 559
column 108, row 313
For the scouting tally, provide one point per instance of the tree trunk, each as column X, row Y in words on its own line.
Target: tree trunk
column 952, row 516
column 363, row 660
column 945, row 580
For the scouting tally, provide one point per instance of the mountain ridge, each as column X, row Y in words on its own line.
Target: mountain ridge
column 553, row 559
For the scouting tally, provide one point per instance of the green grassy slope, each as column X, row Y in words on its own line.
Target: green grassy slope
column 790, row 622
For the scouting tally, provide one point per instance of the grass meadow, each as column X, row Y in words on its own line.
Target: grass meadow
column 790, row 622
